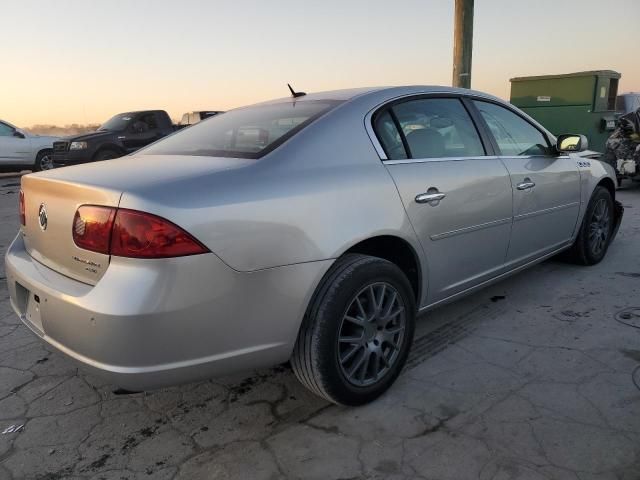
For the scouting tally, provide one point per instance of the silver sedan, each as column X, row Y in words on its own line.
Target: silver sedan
column 311, row 229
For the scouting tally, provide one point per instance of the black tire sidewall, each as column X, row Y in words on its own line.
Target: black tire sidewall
column 328, row 316
column 598, row 194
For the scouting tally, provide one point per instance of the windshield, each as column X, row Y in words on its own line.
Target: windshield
column 116, row 123
column 248, row 132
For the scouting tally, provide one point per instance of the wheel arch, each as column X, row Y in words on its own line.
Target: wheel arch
column 42, row 150
column 607, row 183
column 397, row 251
column 108, row 146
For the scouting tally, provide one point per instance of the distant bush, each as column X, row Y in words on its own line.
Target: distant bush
column 57, row 131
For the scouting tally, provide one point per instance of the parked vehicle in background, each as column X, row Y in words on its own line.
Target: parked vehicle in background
column 311, row 228
column 122, row 134
column 628, row 102
column 20, row 150
column 191, row 118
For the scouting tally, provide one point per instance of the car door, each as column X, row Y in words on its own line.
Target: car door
column 546, row 185
column 457, row 197
column 15, row 147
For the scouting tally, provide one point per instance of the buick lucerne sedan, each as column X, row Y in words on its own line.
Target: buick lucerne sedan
column 312, row 229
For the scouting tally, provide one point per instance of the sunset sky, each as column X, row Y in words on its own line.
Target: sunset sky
column 69, row 61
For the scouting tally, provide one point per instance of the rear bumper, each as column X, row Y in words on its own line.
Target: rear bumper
column 153, row 323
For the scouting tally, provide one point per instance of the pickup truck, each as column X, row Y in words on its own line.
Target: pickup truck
column 122, row 134
column 20, row 150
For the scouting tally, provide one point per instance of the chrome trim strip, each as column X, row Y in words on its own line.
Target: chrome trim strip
column 438, row 159
column 452, row 233
column 524, row 216
column 454, row 93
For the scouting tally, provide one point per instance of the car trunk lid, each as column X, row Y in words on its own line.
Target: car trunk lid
column 61, row 191
column 50, row 206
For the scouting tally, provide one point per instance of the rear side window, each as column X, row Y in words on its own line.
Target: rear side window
column 514, row 135
column 149, row 119
column 389, row 136
column 248, row 132
column 430, row 128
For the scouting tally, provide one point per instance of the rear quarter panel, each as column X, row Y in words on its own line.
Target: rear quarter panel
column 311, row 199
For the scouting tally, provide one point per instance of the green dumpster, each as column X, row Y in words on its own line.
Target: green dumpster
column 582, row 102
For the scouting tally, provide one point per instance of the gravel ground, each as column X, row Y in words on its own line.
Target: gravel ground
column 529, row 379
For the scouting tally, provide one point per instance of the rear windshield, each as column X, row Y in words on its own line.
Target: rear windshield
column 248, row 132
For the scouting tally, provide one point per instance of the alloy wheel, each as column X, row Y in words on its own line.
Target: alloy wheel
column 371, row 334
column 599, row 227
column 46, row 162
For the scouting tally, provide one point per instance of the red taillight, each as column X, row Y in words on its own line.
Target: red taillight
column 92, row 226
column 23, row 217
column 130, row 233
column 142, row 235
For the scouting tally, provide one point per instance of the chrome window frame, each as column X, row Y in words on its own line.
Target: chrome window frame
column 368, row 125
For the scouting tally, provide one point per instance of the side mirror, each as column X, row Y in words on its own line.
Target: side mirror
column 18, row 134
column 572, row 143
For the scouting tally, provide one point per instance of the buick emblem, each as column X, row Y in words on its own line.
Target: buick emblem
column 42, row 217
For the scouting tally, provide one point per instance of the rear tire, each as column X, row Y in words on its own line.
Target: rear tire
column 44, row 161
column 358, row 330
column 596, row 230
column 106, row 155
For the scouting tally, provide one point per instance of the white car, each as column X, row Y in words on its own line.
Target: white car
column 20, row 150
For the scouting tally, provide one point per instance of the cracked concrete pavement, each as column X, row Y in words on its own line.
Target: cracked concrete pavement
column 529, row 379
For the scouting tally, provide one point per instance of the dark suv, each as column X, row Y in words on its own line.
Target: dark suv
column 122, row 134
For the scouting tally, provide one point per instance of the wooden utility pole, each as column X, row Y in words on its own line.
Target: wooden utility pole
column 463, row 43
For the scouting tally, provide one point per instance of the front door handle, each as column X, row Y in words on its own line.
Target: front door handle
column 431, row 196
column 526, row 184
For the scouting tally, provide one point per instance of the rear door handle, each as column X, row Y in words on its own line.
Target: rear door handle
column 527, row 184
column 432, row 195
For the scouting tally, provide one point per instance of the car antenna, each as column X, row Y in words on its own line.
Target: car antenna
column 295, row 94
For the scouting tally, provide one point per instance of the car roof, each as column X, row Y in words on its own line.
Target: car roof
column 380, row 94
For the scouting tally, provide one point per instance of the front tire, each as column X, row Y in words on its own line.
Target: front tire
column 357, row 332
column 596, row 229
column 44, row 161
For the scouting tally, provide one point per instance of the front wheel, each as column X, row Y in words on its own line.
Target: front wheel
column 596, row 230
column 44, row 161
column 358, row 331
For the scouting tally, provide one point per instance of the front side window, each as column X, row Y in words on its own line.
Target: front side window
column 514, row 135
column 247, row 132
column 432, row 128
column 5, row 130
